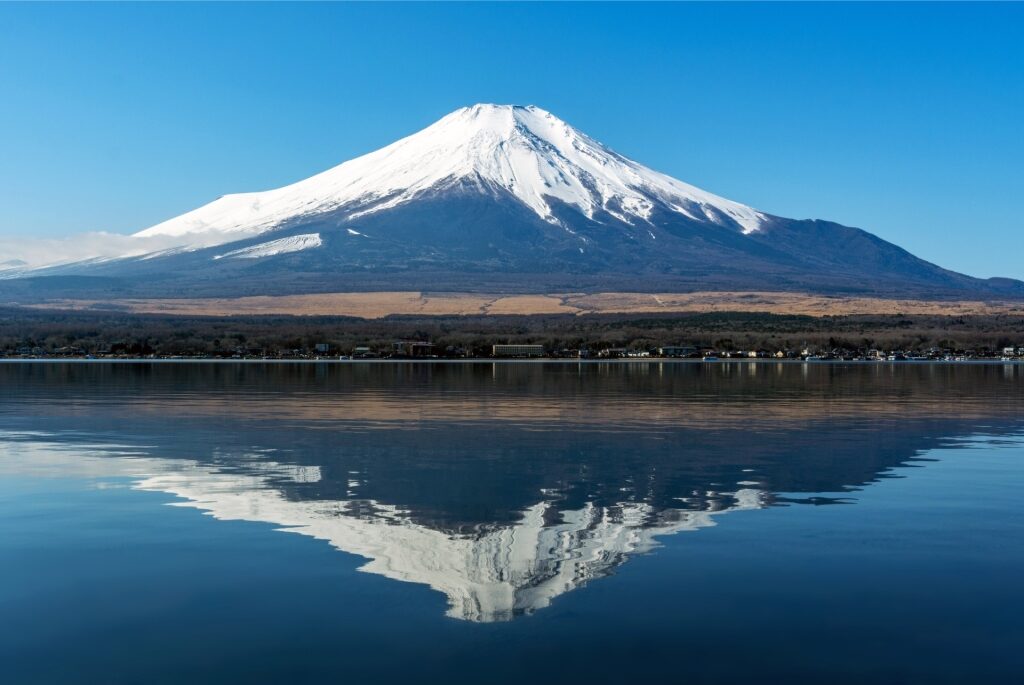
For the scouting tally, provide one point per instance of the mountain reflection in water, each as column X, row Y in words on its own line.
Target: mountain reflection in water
column 502, row 486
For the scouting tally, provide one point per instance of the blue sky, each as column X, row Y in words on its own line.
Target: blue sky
column 905, row 120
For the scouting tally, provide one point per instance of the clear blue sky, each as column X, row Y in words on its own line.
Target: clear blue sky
column 904, row 120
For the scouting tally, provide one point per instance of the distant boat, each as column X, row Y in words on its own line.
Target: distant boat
column 711, row 358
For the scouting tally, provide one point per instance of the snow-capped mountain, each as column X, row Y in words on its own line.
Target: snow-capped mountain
column 528, row 152
column 499, row 198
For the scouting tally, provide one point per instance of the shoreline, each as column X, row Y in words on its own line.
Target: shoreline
column 485, row 360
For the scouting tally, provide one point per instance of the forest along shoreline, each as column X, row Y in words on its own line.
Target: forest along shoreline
column 32, row 333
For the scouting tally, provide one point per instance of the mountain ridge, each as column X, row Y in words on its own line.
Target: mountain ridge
column 505, row 198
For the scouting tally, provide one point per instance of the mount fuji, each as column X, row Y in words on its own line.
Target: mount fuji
column 500, row 198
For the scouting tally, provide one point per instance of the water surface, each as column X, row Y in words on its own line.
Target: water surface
column 616, row 522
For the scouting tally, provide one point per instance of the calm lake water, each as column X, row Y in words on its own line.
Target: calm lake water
column 509, row 523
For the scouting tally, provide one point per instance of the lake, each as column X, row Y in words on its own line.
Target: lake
column 511, row 522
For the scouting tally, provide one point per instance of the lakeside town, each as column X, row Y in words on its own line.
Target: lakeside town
column 426, row 350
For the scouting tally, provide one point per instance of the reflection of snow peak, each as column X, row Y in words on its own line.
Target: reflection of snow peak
column 492, row 576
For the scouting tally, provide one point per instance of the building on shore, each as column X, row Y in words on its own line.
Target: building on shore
column 677, row 351
column 413, row 348
column 517, row 350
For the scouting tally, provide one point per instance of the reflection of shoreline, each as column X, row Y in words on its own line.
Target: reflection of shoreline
column 372, row 411
column 494, row 574
column 646, row 395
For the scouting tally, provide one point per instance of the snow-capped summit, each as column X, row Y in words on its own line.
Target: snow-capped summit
column 526, row 151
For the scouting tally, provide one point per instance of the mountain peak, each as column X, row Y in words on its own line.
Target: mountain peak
column 500, row 121
column 523, row 151
column 486, row 109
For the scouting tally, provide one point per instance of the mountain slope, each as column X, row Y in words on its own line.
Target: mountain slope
column 506, row 198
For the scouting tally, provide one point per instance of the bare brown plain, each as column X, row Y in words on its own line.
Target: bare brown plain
column 376, row 305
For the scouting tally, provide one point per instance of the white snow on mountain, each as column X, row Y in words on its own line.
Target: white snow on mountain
column 295, row 243
column 527, row 151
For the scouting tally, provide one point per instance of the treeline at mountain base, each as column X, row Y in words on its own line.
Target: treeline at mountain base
column 28, row 332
